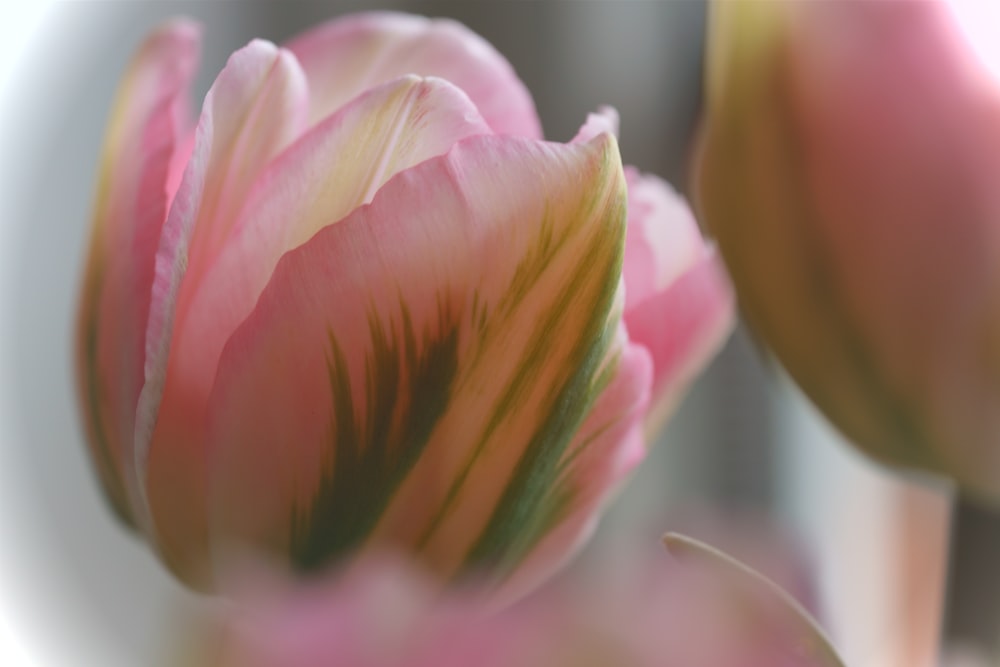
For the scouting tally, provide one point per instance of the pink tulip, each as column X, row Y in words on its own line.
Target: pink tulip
column 848, row 170
column 362, row 305
column 700, row 610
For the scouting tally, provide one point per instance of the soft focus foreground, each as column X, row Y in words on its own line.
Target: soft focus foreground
column 847, row 168
column 360, row 304
column 698, row 608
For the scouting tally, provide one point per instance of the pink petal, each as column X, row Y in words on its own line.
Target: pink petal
column 254, row 108
column 141, row 144
column 346, row 56
column 699, row 608
column 311, row 185
column 683, row 327
column 663, row 240
column 398, row 366
column 605, row 119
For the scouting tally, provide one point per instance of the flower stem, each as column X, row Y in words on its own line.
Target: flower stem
column 972, row 612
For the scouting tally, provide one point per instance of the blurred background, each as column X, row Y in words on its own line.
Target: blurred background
column 744, row 450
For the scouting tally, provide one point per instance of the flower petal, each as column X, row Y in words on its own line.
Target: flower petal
column 683, row 327
column 663, row 239
column 422, row 358
column 254, row 108
column 344, row 57
column 311, row 185
column 143, row 142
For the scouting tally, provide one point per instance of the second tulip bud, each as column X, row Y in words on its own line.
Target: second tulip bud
column 848, row 170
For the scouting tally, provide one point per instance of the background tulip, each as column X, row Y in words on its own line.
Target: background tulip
column 847, row 169
column 360, row 304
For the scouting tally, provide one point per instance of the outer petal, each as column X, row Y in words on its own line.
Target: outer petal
column 254, row 108
column 663, row 239
column 426, row 361
column 141, row 145
column 344, row 57
column 678, row 299
column 683, row 327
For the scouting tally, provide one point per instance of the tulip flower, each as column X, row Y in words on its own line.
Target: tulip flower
column 847, row 169
column 700, row 608
column 360, row 305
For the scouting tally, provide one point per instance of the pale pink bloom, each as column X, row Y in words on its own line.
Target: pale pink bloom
column 701, row 611
column 361, row 305
column 848, row 170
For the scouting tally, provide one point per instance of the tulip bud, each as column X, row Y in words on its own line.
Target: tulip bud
column 847, row 168
column 360, row 306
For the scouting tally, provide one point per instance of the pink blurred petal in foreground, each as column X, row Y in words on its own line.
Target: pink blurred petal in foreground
column 699, row 608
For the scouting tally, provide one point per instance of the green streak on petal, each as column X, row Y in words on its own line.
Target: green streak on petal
column 408, row 386
column 519, row 519
column 601, row 383
column 603, row 251
column 490, row 325
column 561, row 496
column 526, row 509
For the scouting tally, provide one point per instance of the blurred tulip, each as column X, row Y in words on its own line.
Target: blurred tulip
column 361, row 305
column 700, row 609
column 847, row 168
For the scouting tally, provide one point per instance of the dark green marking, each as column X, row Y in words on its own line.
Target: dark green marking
column 601, row 383
column 408, row 383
